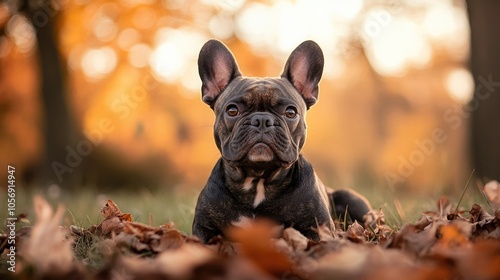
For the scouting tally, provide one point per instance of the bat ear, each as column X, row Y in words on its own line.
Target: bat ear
column 303, row 69
column 217, row 68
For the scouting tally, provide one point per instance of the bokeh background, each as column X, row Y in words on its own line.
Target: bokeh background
column 103, row 96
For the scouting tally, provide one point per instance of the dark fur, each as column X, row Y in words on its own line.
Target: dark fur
column 261, row 172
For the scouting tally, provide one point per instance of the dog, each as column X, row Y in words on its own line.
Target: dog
column 260, row 129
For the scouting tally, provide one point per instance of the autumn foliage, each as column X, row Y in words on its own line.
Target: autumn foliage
column 443, row 244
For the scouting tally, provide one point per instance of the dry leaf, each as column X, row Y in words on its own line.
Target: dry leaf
column 346, row 263
column 221, row 246
column 452, row 236
column 479, row 262
column 355, row 232
column 110, row 209
column 295, row 239
column 170, row 239
column 374, row 217
column 432, row 248
column 325, row 233
column 256, row 246
column 181, row 262
column 48, row 249
column 492, row 191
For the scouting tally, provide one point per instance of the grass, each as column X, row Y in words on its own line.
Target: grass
column 83, row 207
column 403, row 206
column 163, row 205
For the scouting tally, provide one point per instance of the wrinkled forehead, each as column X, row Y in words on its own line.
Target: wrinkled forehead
column 269, row 91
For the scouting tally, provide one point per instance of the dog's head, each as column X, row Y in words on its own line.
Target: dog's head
column 260, row 122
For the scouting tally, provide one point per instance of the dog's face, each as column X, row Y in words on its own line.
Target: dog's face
column 260, row 122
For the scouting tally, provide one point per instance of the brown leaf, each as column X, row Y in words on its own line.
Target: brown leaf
column 257, row 247
column 114, row 220
column 110, row 209
column 480, row 262
column 48, row 249
column 412, row 240
column 125, row 217
column 325, row 233
column 170, row 239
column 492, row 191
column 484, row 225
column 143, row 227
column 374, row 217
column 346, row 263
column 424, row 221
column 355, row 233
column 221, row 246
column 130, row 242
column 295, row 239
column 109, row 226
column 241, row 268
column 181, row 262
column 479, row 214
column 355, row 261
column 452, row 236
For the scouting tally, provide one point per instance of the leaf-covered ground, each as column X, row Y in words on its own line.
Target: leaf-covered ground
column 443, row 244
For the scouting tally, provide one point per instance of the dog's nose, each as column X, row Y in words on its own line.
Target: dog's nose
column 262, row 120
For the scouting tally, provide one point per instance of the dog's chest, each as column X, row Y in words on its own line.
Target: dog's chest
column 254, row 190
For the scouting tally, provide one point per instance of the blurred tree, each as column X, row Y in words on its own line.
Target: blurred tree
column 59, row 127
column 120, row 86
column 485, row 67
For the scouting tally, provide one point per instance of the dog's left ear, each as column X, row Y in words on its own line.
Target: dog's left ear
column 303, row 69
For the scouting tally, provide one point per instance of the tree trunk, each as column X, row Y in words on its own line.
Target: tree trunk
column 59, row 127
column 485, row 67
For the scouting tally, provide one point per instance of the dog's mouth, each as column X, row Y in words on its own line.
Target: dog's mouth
column 260, row 153
column 254, row 147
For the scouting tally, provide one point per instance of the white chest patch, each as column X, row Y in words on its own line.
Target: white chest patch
column 260, row 193
column 248, row 184
column 243, row 222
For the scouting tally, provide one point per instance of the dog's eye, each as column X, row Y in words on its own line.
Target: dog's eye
column 291, row 112
column 232, row 110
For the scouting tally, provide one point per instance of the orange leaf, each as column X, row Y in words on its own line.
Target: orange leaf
column 451, row 236
column 110, row 209
column 256, row 245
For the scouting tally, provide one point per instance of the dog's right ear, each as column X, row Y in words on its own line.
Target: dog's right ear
column 217, row 68
column 303, row 69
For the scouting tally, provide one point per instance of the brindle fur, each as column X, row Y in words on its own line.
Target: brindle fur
column 281, row 185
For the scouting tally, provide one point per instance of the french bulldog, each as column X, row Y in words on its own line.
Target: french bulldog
column 260, row 129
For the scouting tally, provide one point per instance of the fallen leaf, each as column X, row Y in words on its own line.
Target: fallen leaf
column 325, row 233
column 222, row 246
column 492, row 191
column 453, row 235
column 48, row 249
column 355, row 232
column 479, row 262
column 257, row 247
column 295, row 239
column 170, row 239
column 110, row 209
column 346, row 263
column 180, row 263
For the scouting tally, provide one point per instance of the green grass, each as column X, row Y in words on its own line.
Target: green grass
column 164, row 205
column 83, row 207
column 406, row 206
